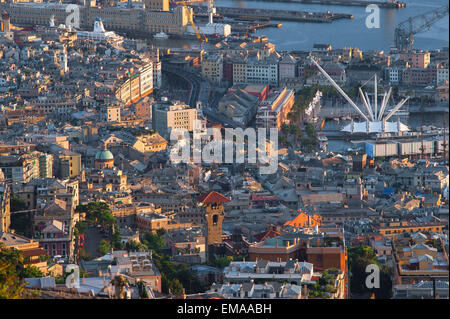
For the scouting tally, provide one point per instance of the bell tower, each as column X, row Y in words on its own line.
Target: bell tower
column 213, row 218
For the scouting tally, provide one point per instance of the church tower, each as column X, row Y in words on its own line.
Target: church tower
column 214, row 215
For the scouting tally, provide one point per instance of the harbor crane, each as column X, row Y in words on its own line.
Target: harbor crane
column 405, row 31
column 211, row 12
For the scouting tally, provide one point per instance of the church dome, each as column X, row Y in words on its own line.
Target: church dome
column 104, row 155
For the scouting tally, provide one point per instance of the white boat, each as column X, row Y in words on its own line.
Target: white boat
column 161, row 35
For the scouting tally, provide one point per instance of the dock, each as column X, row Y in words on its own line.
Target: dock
column 360, row 3
column 278, row 15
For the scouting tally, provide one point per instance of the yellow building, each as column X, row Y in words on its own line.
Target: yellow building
column 113, row 113
column 212, row 68
column 155, row 18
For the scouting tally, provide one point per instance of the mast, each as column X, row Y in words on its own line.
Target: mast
column 376, row 96
column 338, row 88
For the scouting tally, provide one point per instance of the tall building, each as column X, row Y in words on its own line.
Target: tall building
column 156, row 18
column 167, row 116
column 6, row 22
column 212, row 68
column 417, row 59
column 19, row 168
column 5, row 212
column 67, row 163
column 45, row 166
column 113, row 113
column 274, row 110
column 157, row 5
column 157, row 67
column 214, row 215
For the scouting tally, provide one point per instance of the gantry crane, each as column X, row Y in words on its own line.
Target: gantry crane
column 405, row 31
column 211, row 11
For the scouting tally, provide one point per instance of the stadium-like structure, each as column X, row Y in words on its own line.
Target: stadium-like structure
column 375, row 119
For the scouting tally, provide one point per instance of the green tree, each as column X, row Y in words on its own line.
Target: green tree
column 104, row 247
column 11, row 273
column 133, row 245
column 153, row 241
column 97, row 213
column 32, row 272
column 359, row 257
column 116, row 240
column 222, row 262
column 176, row 287
column 161, row 232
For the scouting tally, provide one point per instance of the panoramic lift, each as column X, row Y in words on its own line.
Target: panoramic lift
column 376, row 119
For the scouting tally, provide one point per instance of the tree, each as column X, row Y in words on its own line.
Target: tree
column 153, row 241
column 32, row 272
column 133, row 245
column 116, row 240
column 359, row 257
column 161, row 232
column 11, row 273
column 104, row 247
column 223, row 262
column 97, row 213
column 176, row 287
column 81, row 228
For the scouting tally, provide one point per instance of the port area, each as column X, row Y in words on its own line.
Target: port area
column 278, row 15
column 361, row 3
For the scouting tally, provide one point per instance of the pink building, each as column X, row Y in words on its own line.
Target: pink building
column 55, row 239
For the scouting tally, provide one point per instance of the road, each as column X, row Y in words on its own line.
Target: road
column 200, row 91
column 92, row 239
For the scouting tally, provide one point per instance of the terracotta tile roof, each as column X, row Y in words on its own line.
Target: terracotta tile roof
column 212, row 197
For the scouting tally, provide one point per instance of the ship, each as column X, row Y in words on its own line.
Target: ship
column 161, row 36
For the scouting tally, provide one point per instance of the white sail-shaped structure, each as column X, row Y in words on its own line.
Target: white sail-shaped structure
column 375, row 117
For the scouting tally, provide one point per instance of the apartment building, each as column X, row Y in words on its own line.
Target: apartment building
column 212, row 68
column 420, row 76
column 20, row 168
column 273, row 111
column 257, row 70
column 442, row 74
column 417, row 59
column 168, row 116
